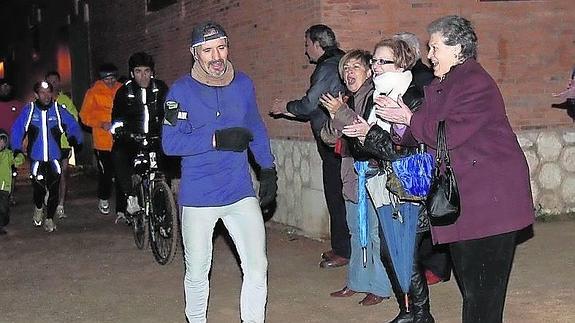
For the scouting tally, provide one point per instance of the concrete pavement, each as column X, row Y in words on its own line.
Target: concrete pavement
column 91, row 271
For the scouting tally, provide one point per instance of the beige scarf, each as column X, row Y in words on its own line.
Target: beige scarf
column 203, row 77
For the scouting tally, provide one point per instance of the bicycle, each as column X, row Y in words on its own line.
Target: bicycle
column 156, row 224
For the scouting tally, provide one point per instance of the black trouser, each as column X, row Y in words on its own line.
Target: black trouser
column 4, row 208
column 482, row 268
column 123, row 158
column 434, row 257
column 105, row 179
column 46, row 179
column 333, row 191
column 123, row 155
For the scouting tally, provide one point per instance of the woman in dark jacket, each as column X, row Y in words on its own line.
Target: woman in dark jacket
column 391, row 63
column 488, row 163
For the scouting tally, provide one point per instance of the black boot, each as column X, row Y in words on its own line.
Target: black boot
column 419, row 297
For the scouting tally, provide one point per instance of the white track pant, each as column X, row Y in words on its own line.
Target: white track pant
column 244, row 222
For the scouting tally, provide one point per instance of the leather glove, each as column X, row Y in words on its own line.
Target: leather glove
column 233, row 139
column 74, row 143
column 268, row 186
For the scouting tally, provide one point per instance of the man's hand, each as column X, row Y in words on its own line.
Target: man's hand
column 278, row 108
column 268, row 186
column 568, row 93
column 232, row 139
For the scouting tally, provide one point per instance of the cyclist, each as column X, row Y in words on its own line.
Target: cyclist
column 138, row 109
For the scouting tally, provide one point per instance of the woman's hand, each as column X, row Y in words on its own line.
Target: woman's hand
column 358, row 129
column 392, row 111
column 331, row 103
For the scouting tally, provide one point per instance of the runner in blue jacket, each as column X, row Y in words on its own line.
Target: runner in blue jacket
column 44, row 122
column 211, row 119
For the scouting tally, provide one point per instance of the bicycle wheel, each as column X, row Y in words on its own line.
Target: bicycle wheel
column 140, row 223
column 164, row 226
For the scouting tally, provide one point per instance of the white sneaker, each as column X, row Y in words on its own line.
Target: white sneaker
column 49, row 225
column 60, row 212
column 38, row 217
column 104, row 207
column 133, row 206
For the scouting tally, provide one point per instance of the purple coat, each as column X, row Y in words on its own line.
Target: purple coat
column 489, row 165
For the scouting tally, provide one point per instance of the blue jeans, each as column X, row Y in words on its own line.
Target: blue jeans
column 372, row 278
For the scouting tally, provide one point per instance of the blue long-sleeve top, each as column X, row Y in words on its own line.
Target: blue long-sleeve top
column 44, row 127
column 212, row 177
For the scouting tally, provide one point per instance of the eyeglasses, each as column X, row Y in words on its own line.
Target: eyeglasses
column 380, row 61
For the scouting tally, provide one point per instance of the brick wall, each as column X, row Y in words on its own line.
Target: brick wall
column 527, row 46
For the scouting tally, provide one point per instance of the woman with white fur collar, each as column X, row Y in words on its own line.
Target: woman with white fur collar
column 391, row 64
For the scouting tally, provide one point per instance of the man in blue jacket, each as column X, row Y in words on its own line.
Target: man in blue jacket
column 44, row 122
column 211, row 119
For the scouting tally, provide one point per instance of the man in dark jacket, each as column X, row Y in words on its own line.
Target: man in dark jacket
column 138, row 109
column 321, row 49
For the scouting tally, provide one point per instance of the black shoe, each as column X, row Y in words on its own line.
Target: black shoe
column 403, row 317
column 2, row 231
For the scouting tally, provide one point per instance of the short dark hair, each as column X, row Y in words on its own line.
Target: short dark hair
column 456, row 30
column 140, row 59
column 50, row 73
column 322, row 34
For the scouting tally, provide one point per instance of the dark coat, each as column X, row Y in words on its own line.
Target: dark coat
column 130, row 109
column 325, row 78
column 378, row 142
column 489, row 165
column 422, row 74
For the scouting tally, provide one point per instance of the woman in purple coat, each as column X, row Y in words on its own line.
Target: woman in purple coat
column 487, row 160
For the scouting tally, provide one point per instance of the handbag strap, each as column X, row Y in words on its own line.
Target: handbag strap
column 442, row 154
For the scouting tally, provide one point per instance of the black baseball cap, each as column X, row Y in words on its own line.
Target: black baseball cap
column 207, row 31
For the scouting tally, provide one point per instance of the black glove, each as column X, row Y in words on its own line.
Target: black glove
column 74, row 144
column 233, row 139
column 268, row 186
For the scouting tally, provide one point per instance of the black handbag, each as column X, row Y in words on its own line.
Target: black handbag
column 442, row 202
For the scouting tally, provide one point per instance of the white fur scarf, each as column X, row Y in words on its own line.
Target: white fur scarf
column 393, row 85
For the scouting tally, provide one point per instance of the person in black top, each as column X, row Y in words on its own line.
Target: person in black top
column 138, row 109
column 322, row 50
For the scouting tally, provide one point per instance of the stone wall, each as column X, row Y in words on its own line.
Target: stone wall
column 551, row 158
column 301, row 204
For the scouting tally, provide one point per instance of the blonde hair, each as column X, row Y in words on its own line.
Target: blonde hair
column 361, row 55
column 404, row 56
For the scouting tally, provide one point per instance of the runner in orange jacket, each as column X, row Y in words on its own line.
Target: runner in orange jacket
column 96, row 112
